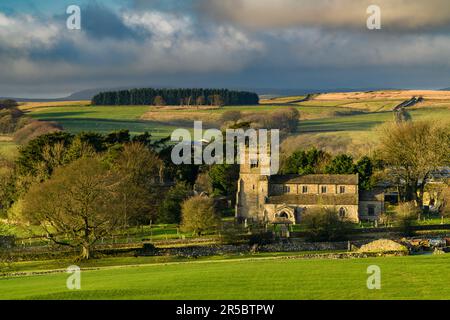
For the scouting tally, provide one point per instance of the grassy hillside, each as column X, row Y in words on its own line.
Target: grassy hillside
column 33, row 105
column 8, row 150
column 412, row 277
column 101, row 119
column 338, row 122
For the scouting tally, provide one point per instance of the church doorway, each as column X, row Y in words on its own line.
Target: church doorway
column 284, row 215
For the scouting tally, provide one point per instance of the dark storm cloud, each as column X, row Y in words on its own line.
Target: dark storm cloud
column 233, row 43
column 99, row 21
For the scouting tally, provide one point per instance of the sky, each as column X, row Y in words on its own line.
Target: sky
column 280, row 44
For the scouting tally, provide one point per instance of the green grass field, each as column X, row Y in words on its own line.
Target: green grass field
column 8, row 150
column 368, row 121
column 102, row 119
column 335, row 125
column 413, row 277
column 316, row 116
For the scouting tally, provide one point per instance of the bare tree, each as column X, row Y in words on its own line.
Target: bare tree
column 444, row 201
column 217, row 100
column 200, row 101
column 412, row 151
column 79, row 201
column 159, row 101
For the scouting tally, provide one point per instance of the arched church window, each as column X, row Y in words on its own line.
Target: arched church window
column 342, row 212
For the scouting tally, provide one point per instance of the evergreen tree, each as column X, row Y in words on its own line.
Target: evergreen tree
column 183, row 96
column 170, row 209
column 341, row 164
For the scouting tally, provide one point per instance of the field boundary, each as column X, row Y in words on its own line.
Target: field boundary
column 306, row 256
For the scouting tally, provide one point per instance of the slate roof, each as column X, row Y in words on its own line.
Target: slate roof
column 344, row 179
column 371, row 195
column 311, row 199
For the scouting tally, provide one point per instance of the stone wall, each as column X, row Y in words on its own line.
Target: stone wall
column 309, row 246
column 201, row 251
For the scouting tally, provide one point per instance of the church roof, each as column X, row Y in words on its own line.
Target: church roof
column 345, row 179
column 376, row 194
column 311, row 199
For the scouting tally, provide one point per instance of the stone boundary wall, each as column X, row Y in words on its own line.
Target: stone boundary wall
column 195, row 251
column 201, row 251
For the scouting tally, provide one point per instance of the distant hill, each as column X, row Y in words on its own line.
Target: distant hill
column 268, row 92
column 76, row 96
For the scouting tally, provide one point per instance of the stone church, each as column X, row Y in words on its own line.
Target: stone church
column 274, row 198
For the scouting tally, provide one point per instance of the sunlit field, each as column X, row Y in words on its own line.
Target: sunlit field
column 338, row 122
column 8, row 150
column 412, row 277
column 102, row 119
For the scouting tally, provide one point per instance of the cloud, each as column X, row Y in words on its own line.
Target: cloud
column 26, row 32
column 132, row 44
column 174, row 43
column 266, row 14
column 158, row 23
column 233, row 43
column 316, row 48
column 98, row 21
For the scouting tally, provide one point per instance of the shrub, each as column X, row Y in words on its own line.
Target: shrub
column 324, row 224
column 231, row 115
column 9, row 119
column 5, row 230
column 199, row 215
column 8, row 104
column 406, row 215
column 232, row 233
column 6, row 261
column 35, row 129
column 285, row 119
column 148, row 249
column 260, row 238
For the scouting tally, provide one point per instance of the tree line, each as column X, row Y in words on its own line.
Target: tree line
column 80, row 188
column 316, row 161
column 284, row 119
column 184, row 97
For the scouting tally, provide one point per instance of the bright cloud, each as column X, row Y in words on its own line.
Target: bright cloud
column 397, row 14
column 24, row 32
column 294, row 43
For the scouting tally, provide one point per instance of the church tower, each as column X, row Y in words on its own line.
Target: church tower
column 253, row 188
